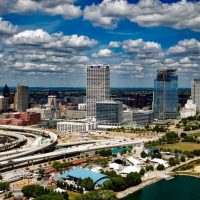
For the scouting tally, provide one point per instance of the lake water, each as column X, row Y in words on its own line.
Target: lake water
column 179, row 188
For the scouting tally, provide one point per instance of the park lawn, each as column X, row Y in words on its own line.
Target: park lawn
column 72, row 195
column 183, row 146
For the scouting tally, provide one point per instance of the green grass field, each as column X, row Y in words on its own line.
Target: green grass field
column 183, row 146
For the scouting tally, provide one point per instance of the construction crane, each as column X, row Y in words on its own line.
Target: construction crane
column 163, row 89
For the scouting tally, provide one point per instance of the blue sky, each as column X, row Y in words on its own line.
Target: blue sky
column 50, row 43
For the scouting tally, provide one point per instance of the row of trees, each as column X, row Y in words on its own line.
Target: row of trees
column 4, row 186
column 40, row 193
column 98, row 195
column 104, row 152
column 118, row 183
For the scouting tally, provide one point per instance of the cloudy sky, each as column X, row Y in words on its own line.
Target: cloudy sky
column 50, row 42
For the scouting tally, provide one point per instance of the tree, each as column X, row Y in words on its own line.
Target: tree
column 143, row 154
column 4, row 186
column 160, row 167
column 87, row 183
column 142, row 172
column 172, row 162
column 33, row 191
column 177, row 161
column 51, row 196
column 182, row 158
column 183, row 135
column 98, row 194
column 116, row 184
column 133, row 179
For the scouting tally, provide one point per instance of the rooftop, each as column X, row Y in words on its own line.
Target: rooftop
column 81, row 173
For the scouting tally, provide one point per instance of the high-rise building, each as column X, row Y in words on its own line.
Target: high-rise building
column 52, row 101
column 196, row 92
column 3, row 103
column 98, row 87
column 22, row 96
column 6, row 91
column 109, row 112
column 166, row 94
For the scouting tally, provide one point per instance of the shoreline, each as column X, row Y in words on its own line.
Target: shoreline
column 128, row 191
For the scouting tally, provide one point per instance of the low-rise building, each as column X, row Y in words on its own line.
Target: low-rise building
column 144, row 117
column 76, row 126
column 109, row 112
column 20, row 119
column 189, row 109
column 82, row 106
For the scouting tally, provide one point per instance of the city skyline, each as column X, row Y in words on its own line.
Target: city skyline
column 42, row 41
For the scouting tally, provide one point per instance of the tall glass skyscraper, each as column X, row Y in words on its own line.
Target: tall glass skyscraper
column 166, row 94
column 98, row 87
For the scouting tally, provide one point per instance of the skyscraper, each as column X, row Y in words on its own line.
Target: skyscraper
column 22, row 96
column 166, row 94
column 195, row 93
column 98, row 87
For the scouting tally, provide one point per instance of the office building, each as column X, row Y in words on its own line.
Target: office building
column 6, row 91
column 109, row 112
column 4, row 106
column 143, row 117
column 80, row 127
column 52, row 101
column 98, row 87
column 21, row 98
column 195, row 93
column 189, row 109
column 166, row 94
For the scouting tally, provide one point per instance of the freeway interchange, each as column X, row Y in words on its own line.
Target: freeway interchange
column 35, row 152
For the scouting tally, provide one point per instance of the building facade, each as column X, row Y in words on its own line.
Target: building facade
column 22, row 97
column 109, row 112
column 79, row 127
column 143, row 117
column 98, row 87
column 4, row 105
column 166, row 94
column 189, row 109
column 195, row 92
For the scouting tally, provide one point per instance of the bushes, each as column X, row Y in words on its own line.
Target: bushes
column 143, row 154
column 87, row 183
column 118, row 183
column 160, row 167
column 149, row 168
column 98, row 194
column 4, row 186
column 41, row 193
column 172, row 162
column 182, row 158
column 104, row 152
column 133, row 179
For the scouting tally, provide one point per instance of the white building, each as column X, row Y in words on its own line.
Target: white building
column 82, row 106
column 76, row 126
column 195, row 92
column 129, row 169
column 189, row 109
column 4, row 103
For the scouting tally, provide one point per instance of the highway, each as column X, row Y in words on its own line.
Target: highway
column 32, row 154
column 72, row 150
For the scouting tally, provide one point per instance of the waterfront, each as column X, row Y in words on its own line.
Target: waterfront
column 179, row 188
